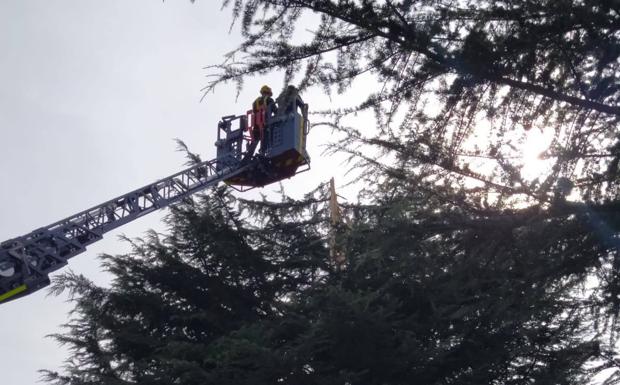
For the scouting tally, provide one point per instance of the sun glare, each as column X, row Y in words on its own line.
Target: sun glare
column 534, row 145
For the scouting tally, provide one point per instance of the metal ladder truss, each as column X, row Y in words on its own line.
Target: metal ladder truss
column 26, row 261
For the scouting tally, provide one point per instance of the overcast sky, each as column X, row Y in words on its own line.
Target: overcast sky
column 91, row 95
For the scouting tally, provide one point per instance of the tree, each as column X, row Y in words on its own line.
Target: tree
column 456, row 272
column 174, row 298
column 439, row 299
column 513, row 65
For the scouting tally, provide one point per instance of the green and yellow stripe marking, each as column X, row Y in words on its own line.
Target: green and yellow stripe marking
column 14, row 292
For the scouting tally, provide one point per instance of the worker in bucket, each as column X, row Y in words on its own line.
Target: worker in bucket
column 265, row 100
column 264, row 107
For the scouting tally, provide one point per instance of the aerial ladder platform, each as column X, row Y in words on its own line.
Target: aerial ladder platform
column 27, row 261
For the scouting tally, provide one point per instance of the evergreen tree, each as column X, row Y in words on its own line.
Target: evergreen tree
column 447, row 281
column 175, row 298
column 444, row 298
column 513, row 65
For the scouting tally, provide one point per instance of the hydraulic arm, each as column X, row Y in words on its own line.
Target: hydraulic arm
column 26, row 261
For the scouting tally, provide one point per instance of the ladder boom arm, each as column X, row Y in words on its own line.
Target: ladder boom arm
column 26, row 261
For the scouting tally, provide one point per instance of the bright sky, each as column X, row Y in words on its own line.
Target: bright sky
column 92, row 95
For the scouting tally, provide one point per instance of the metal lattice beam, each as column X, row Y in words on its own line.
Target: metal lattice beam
column 27, row 261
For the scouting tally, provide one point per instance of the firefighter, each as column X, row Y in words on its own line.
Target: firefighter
column 266, row 103
column 265, row 100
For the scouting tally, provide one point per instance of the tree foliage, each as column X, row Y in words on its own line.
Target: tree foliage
column 446, row 68
column 444, row 298
column 174, row 298
column 460, row 269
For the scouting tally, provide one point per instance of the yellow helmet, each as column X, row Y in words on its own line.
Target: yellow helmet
column 266, row 90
